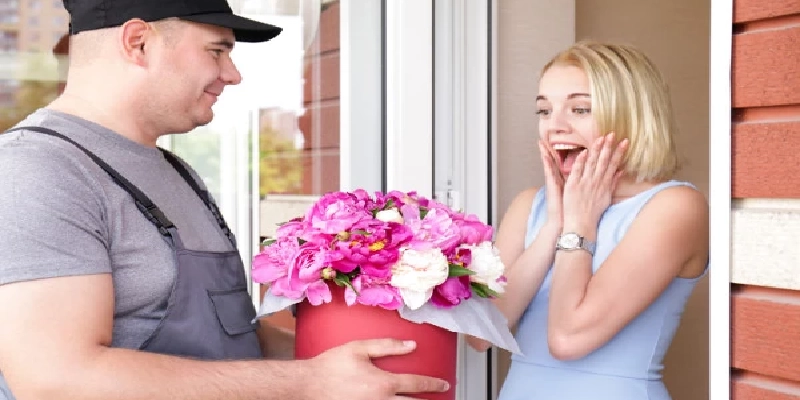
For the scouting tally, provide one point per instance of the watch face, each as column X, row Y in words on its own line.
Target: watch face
column 569, row 240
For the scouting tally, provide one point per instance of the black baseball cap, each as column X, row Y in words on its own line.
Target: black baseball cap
column 86, row 15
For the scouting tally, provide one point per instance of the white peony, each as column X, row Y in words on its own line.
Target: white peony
column 390, row 215
column 487, row 266
column 417, row 273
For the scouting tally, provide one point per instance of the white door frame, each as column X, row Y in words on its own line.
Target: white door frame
column 719, row 286
column 415, row 104
column 463, row 137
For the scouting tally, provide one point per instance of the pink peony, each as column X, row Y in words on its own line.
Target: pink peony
column 395, row 197
column 472, row 230
column 372, row 245
column 304, row 278
column 275, row 260
column 337, row 212
column 452, row 292
column 373, row 291
column 462, row 256
column 435, row 230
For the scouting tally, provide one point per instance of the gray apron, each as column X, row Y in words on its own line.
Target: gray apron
column 210, row 312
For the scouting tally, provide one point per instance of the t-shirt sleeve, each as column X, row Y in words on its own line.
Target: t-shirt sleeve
column 51, row 215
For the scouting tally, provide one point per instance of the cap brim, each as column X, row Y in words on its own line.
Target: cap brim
column 245, row 29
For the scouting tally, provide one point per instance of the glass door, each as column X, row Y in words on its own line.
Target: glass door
column 463, row 139
column 33, row 49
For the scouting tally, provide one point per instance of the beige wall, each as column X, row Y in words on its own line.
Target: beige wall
column 675, row 34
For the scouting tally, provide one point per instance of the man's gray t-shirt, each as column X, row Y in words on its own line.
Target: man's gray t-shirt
column 62, row 215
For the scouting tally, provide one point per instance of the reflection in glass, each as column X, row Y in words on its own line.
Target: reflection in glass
column 31, row 57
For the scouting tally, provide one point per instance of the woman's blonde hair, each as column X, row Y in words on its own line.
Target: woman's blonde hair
column 631, row 99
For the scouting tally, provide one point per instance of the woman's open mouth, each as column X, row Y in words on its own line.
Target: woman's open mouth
column 567, row 153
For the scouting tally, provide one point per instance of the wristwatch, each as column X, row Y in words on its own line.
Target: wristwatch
column 573, row 241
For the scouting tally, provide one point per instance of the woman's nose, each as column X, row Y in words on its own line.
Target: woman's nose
column 557, row 123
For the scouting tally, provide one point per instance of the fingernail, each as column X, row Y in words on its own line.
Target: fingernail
column 446, row 386
column 410, row 344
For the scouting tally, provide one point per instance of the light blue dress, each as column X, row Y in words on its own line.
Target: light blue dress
column 629, row 366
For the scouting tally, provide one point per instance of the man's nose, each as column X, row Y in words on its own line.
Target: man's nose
column 230, row 74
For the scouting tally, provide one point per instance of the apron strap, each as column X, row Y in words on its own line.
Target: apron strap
column 143, row 203
column 203, row 194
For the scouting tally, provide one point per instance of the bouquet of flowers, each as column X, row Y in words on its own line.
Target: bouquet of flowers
column 398, row 251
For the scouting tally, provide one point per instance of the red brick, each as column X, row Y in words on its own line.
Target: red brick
column 765, row 68
column 325, row 119
column 325, row 163
column 765, row 160
column 321, row 78
column 753, row 387
column 765, row 332
column 328, row 32
column 751, row 10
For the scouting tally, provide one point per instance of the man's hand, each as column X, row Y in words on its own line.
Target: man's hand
column 346, row 373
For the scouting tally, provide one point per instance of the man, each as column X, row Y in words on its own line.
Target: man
column 118, row 277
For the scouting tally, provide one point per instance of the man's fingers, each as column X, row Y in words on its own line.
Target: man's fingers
column 383, row 347
column 410, row 384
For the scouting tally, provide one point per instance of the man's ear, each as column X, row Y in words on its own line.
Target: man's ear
column 134, row 38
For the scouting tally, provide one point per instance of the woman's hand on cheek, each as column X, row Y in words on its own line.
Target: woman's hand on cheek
column 591, row 183
column 554, row 186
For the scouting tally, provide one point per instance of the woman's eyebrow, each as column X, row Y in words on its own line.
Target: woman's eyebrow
column 570, row 96
column 574, row 95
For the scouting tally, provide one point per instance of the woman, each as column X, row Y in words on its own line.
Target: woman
column 601, row 260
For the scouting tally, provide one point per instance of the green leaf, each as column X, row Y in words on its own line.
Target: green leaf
column 457, row 270
column 301, row 241
column 344, row 280
column 389, row 204
column 483, row 291
column 423, row 212
column 268, row 242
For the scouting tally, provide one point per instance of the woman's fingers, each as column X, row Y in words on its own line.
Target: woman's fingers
column 605, row 153
column 552, row 174
column 578, row 166
column 615, row 160
column 593, row 158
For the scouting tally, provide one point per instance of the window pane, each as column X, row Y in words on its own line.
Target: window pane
column 32, row 57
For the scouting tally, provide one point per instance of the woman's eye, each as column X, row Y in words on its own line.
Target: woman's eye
column 581, row 111
column 543, row 112
column 217, row 52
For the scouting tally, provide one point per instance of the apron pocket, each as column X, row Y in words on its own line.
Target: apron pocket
column 234, row 309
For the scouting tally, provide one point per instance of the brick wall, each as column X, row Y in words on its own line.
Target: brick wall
column 765, row 326
column 320, row 124
column 320, row 128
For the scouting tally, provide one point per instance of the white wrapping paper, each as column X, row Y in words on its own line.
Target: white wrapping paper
column 476, row 317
